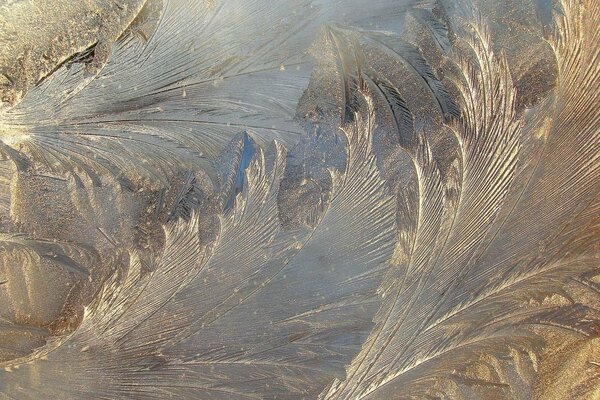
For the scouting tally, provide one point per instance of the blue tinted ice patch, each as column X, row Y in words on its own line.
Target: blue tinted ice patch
column 248, row 152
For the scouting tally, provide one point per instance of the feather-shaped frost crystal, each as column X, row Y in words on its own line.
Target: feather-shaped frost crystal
column 299, row 199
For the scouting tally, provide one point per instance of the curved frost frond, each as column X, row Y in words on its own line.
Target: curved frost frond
column 303, row 297
column 468, row 289
column 210, row 70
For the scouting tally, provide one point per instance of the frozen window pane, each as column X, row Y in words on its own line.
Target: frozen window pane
column 216, row 199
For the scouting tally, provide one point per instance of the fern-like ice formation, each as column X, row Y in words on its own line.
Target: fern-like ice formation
column 309, row 199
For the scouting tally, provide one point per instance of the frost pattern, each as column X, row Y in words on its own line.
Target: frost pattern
column 443, row 241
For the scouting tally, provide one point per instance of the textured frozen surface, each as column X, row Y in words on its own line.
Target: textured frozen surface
column 300, row 199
